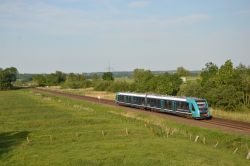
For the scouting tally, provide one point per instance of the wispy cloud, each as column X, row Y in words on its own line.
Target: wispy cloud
column 55, row 20
column 138, row 4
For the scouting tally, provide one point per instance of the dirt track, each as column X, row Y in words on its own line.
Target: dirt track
column 215, row 123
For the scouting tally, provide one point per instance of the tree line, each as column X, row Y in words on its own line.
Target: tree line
column 225, row 87
column 144, row 81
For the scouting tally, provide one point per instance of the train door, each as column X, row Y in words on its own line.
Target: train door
column 162, row 104
column 173, row 105
column 191, row 109
column 126, row 99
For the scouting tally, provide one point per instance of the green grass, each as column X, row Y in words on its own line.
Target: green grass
column 243, row 116
column 39, row 129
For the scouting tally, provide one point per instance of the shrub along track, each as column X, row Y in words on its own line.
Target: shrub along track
column 214, row 123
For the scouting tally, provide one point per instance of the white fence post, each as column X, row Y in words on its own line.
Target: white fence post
column 216, row 144
column 196, row 139
column 126, row 131
column 248, row 155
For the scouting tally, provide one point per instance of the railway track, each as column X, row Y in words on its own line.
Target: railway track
column 227, row 125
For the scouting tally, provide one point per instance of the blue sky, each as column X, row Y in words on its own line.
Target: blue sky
column 42, row 36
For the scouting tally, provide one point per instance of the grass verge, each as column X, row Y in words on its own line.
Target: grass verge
column 238, row 116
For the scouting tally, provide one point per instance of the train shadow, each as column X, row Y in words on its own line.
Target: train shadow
column 9, row 140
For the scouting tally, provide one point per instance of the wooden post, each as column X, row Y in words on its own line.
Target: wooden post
column 235, row 150
column 172, row 132
column 102, row 133
column 99, row 99
column 204, row 140
column 28, row 140
column 216, row 144
column 126, row 131
column 248, row 155
column 196, row 138
column 190, row 137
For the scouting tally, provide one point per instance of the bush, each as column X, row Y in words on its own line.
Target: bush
column 102, row 85
column 7, row 78
column 226, row 87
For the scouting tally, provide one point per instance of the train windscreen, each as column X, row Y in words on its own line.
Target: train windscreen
column 202, row 105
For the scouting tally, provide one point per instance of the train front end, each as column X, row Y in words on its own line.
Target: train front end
column 199, row 109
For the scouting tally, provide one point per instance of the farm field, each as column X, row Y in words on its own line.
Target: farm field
column 239, row 116
column 39, row 129
column 86, row 92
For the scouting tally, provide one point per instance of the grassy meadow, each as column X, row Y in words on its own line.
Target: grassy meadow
column 40, row 129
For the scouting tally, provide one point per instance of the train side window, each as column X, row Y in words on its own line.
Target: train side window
column 137, row 100
column 121, row 98
column 158, row 103
column 153, row 102
column 185, row 106
column 127, row 99
column 134, row 100
column 143, row 101
column 168, row 104
column 148, row 102
column 178, row 105
column 182, row 105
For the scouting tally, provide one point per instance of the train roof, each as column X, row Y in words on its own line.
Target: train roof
column 176, row 98
column 132, row 94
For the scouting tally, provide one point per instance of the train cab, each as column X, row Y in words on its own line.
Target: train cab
column 199, row 108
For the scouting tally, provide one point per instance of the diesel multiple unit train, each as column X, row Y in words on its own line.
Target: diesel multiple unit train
column 184, row 106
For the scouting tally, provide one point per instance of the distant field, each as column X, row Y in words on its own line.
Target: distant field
column 38, row 129
column 192, row 78
column 87, row 92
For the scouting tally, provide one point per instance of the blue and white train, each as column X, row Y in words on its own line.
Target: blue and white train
column 186, row 106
